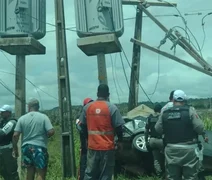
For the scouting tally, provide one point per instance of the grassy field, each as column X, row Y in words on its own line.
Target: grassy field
column 54, row 171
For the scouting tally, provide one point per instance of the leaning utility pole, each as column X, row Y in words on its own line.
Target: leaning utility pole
column 65, row 110
column 135, row 67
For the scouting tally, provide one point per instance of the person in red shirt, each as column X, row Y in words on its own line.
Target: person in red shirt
column 101, row 120
column 83, row 145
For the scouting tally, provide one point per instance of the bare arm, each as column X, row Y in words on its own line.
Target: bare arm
column 197, row 122
column 15, row 140
column 49, row 128
column 50, row 133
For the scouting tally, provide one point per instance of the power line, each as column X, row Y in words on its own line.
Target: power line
column 203, row 29
column 36, row 88
column 130, row 18
column 186, row 27
column 158, row 78
column 114, row 79
column 125, row 74
column 116, row 74
column 6, row 87
column 136, row 76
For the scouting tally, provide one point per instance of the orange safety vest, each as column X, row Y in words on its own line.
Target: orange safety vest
column 100, row 130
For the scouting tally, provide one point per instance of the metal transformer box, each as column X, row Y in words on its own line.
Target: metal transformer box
column 96, row 17
column 23, row 18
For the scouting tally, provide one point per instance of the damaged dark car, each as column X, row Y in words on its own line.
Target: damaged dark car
column 137, row 160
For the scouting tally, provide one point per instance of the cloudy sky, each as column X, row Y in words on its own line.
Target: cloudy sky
column 42, row 69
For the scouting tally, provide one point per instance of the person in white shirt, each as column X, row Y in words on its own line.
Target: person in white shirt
column 170, row 103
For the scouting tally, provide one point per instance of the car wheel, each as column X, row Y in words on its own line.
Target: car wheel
column 139, row 143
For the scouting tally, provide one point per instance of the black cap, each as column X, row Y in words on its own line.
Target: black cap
column 157, row 108
column 103, row 90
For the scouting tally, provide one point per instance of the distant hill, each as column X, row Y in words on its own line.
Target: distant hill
column 123, row 107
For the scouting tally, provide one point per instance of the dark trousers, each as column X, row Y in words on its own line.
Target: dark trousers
column 100, row 165
column 8, row 165
column 83, row 157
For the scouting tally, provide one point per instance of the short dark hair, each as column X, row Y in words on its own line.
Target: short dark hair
column 171, row 96
column 157, row 108
column 103, row 91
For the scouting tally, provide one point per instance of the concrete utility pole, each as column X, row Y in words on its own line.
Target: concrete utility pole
column 65, row 110
column 20, row 86
column 21, row 46
column 102, row 70
column 135, row 67
column 20, row 98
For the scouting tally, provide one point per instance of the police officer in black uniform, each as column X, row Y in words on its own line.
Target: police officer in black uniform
column 8, row 164
column 181, row 126
column 154, row 141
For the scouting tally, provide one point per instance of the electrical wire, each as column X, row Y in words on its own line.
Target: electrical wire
column 125, row 74
column 115, row 60
column 114, row 78
column 203, row 29
column 36, row 88
column 26, row 78
column 130, row 18
column 137, row 78
column 158, row 78
column 41, row 103
column 186, row 26
column 5, row 72
column 8, row 89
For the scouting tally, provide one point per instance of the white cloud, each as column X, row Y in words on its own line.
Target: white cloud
column 42, row 69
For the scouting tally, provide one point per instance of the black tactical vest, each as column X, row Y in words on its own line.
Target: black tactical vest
column 8, row 138
column 152, row 120
column 177, row 125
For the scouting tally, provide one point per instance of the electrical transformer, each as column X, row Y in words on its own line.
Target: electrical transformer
column 96, row 17
column 23, row 18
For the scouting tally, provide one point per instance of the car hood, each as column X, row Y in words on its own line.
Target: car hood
column 134, row 126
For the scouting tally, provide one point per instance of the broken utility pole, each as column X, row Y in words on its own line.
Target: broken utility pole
column 65, row 110
column 178, row 40
column 135, row 67
column 170, row 56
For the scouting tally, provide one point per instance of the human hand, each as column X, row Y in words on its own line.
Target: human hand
column 15, row 153
column 206, row 139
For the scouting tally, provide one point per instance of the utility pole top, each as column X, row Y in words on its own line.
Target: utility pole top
column 136, row 2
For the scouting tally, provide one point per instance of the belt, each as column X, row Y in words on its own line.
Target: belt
column 6, row 146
